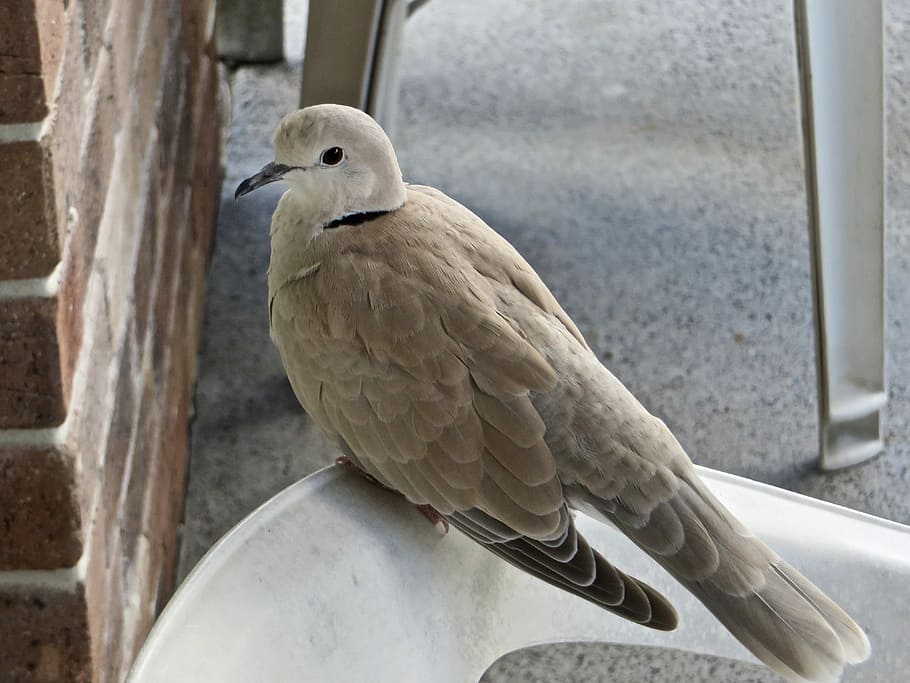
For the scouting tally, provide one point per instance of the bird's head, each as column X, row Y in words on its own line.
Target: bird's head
column 336, row 160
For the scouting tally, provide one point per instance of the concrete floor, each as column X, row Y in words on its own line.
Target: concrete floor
column 646, row 159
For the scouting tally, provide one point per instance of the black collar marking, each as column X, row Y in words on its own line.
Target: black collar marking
column 356, row 218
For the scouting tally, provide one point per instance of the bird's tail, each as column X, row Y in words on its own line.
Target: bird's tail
column 790, row 625
column 772, row 609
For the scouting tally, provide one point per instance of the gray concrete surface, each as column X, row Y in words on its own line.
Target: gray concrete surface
column 606, row 663
column 645, row 157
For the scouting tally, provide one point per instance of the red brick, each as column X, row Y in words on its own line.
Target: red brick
column 144, row 283
column 30, row 245
column 113, row 663
column 204, row 202
column 198, row 27
column 97, row 151
column 197, row 37
column 94, row 20
column 45, row 635
column 50, row 18
column 19, row 37
column 190, row 307
column 102, row 571
column 206, row 181
column 173, row 123
column 178, row 308
column 173, row 224
column 90, row 410
column 140, row 481
column 79, row 198
column 63, row 140
column 117, row 244
column 77, row 264
column 118, row 445
column 172, row 229
column 169, row 481
column 126, row 16
column 141, row 541
column 82, row 204
column 31, row 46
column 174, row 383
column 23, row 95
column 133, row 533
column 147, row 80
column 39, row 509
column 171, row 112
column 191, row 22
column 32, row 391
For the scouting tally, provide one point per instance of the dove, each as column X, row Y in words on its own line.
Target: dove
column 429, row 351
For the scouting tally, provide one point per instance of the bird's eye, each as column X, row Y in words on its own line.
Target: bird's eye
column 332, row 156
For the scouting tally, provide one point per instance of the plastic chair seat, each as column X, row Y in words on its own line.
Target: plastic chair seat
column 335, row 579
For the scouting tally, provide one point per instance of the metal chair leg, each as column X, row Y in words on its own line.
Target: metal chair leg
column 839, row 46
column 383, row 99
column 351, row 54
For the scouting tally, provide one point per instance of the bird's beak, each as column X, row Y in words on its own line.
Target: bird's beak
column 269, row 174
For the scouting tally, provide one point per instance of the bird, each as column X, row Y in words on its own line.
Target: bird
column 426, row 348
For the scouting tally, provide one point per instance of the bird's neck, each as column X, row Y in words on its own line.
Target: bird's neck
column 298, row 221
column 294, row 226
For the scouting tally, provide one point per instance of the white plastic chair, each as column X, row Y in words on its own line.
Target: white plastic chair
column 336, row 580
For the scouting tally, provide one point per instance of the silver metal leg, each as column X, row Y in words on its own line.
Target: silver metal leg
column 340, row 46
column 839, row 43
column 383, row 99
column 352, row 55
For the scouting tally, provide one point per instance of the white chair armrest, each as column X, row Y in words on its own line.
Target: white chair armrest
column 335, row 579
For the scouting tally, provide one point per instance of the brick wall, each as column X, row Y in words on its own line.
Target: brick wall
column 109, row 136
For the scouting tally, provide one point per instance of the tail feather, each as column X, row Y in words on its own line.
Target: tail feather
column 784, row 629
column 854, row 641
column 772, row 609
column 568, row 562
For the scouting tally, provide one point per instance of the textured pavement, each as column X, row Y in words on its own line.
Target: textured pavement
column 645, row 157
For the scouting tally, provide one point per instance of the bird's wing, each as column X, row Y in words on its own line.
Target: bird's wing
column 494, row 258
column 621, row 463
column 397, row 346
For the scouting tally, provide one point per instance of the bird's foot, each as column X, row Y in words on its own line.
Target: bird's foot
column 435, row 518
column 345, row 461
column 427, row 511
